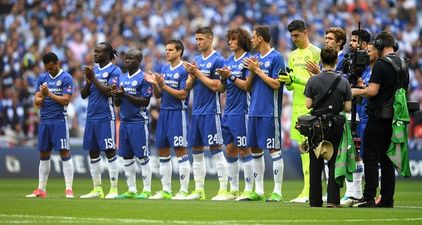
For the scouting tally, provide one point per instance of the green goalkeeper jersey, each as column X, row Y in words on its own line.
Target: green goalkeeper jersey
column 300, row 75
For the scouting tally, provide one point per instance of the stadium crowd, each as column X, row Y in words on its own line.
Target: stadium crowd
column 31, row 28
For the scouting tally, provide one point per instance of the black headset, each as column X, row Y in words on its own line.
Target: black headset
column 379, row 45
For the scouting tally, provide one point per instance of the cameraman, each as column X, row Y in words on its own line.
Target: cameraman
column 357, row 68
column 332, row 124
column 380, row 92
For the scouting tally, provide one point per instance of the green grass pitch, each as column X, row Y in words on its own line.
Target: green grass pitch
column 16, row 209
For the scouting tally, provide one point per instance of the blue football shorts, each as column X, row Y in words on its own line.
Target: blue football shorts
column 205, row 130
column 133, row 140
column 264, row 132
column 172, row 128
column 100, row 135
column 234, row 130
column 53, row 135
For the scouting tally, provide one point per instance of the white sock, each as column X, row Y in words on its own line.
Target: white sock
column 130, row 173
column 357, row 180
column 199, row 170
column 221, row 166
column 233, row 173
column 43, row 171
column 165, row 173
column 349, row 188
column 326, row 170
column 278, row 170
column 259, row 170
column 379, row 176
column 113, row 171
column 248, row 172
column 95, row 169
column 184, row 172
column 68, row 172
column 146, row 173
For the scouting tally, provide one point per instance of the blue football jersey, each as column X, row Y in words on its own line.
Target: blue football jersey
column 361, row 107
column 175, row 78
column 134, row 85
column 340, row 59
column 206, row 101
column 236, row 99
column 100, row 107
column 266, row 101
column 59, row 85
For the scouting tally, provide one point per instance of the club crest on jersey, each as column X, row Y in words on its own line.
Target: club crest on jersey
column 240, row 66
column 134, row 83
column 176, row 75
column 59, row 82
column 105, row 75
column 267, row 64
column 306, row 58
column 208, row 65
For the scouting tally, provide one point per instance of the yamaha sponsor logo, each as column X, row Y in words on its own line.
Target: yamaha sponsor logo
column 55, row 90
column 237, row 73
column 172, row 82
column 206, row 72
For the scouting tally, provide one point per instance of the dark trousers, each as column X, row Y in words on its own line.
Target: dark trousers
column 377, row 140
column 317, row 166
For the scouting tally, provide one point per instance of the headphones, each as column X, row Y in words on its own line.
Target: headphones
column 379, row 45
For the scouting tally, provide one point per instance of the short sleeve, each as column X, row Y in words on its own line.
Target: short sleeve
column 146, row 89
column 278, row 65
column 376, row 75
column 183, row 78
column 39, row 82
column 348, row 94
column 68, row 86
column 219, row 63
column 309, row 87
column 114, row 76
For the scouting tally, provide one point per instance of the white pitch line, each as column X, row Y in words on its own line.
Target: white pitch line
column 66, row 219
column 408, row 207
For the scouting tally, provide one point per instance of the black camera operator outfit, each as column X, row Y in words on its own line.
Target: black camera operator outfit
column 378, row 133
column 332, row 124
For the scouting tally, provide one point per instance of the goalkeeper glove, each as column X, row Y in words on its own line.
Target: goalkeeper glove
column 285, row 78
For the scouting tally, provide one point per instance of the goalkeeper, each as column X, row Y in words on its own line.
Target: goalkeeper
column 295, row 81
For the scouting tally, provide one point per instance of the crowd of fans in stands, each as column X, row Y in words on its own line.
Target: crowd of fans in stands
column 70, row 28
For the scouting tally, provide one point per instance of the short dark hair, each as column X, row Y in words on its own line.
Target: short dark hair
column 328, row 56
column 178, row 44
column 387, row 38
column 50, row 57
column 204, row 30
column 363, row 35
column 109, row 49
column 339, row 33
column 298, row 25
column 136, row 52
column 243, row 37
column 264, row 32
